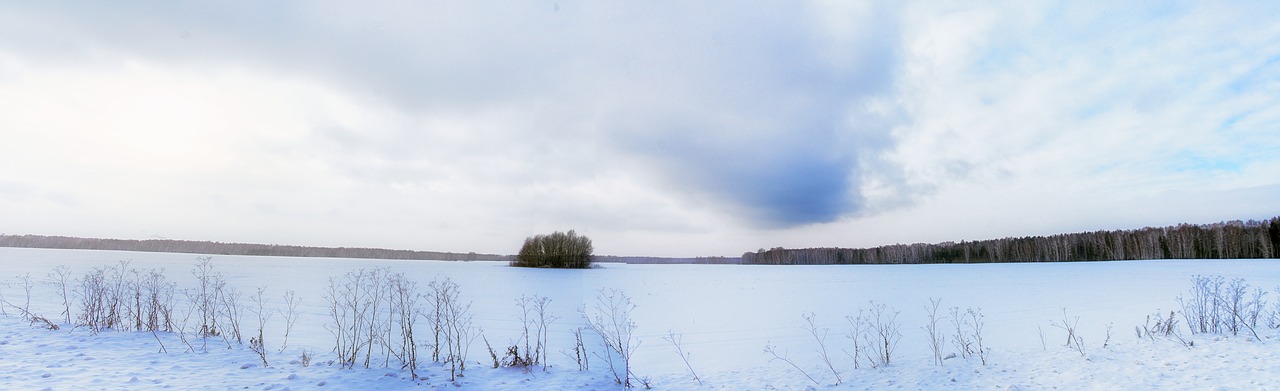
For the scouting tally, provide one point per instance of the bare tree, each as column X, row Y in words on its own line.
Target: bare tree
column 535, row 317
column 976, row 321
column 93, row 291
column 580, row 351
column 259, row 344
column 676, row 341
column 936, row 339
column 24, row 282
column 404, row 311
column 290, row 314
column 1069, row 325
column 229, row 299
column 887, row 333
column 454, row 321
column 858, row 333
column 349, row 312
column 821, row 339
column 610, row 317
column 961, row 340
column 59, row 278
column 205, row 297
column 773, row 351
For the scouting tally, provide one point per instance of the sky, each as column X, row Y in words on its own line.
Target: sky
column 662, row 128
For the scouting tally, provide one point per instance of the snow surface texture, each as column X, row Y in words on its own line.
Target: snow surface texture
column 726, row 314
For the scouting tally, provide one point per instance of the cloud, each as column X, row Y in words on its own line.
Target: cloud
column 756, row 110
column 1083, row 116
column 770, row 126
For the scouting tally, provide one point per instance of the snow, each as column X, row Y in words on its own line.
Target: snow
column 725, row 314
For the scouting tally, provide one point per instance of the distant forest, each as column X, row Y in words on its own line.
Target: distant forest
column 1224, row 240
column 275, row 250
column 666, row 260
column 218, row 248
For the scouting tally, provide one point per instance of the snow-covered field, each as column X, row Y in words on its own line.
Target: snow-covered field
column 726, row 315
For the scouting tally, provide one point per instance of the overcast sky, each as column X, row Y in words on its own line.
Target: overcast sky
column 655, row 128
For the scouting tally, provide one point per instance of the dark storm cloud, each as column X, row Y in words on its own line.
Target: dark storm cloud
column 773, row 126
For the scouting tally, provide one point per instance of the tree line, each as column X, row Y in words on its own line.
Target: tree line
column 219, row 248
column 642, row 260
column 1223, row 240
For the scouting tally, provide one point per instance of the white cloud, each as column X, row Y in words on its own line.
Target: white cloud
column 1070, row 118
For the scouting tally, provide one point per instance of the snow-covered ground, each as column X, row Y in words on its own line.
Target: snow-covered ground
column 726, row 315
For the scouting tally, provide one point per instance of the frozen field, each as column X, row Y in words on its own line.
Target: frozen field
column 725, row 313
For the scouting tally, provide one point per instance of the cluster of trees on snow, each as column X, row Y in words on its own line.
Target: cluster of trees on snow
column 219, row 248
column 1223, row 240
column 556, row 250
